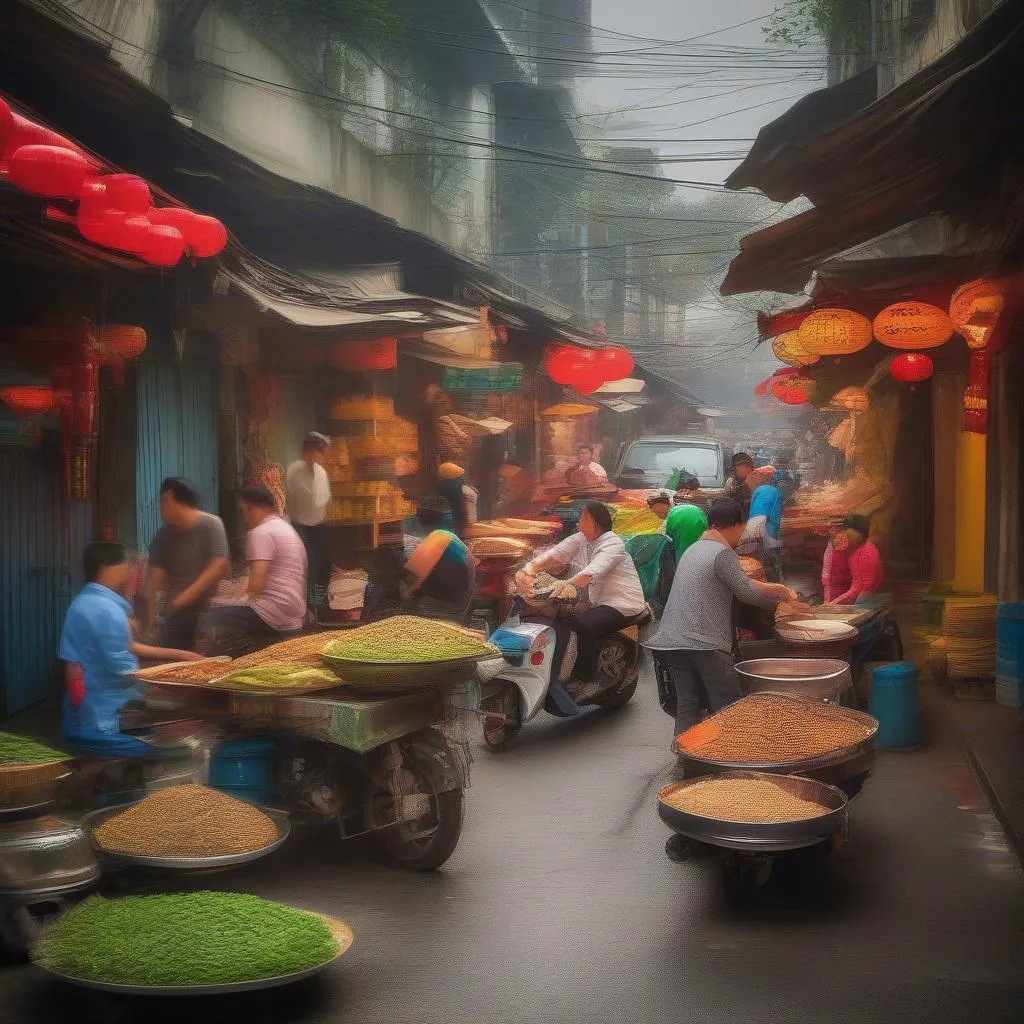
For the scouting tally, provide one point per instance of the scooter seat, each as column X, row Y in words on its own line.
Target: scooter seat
column 632, row 629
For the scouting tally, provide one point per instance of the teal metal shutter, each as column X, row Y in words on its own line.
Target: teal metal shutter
column 177, row 434
column 41, row 549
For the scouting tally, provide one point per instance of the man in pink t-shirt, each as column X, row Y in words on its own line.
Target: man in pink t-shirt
column 865, row 561
column 274, row 603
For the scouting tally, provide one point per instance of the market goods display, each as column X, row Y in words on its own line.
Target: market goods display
column 628, row 520
column 303, row 650
column 186, row 939
column 750, row 800
column 752, row 567
column 188, row 672
column 21, row 750
column 361, row 409
column 187, row 821
column 498, row 547
column 369, row 500
column 279, row 676
column 408, row 639
column 497, row 528
column 766, row 729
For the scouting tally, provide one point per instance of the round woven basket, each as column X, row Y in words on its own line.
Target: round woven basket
column 16, row 779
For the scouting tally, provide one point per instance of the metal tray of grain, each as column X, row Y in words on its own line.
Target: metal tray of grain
column 760, row 837
column 838, row 764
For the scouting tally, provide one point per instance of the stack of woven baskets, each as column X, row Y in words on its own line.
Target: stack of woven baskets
column 965, row 651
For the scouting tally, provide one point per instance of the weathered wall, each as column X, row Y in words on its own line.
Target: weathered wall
column 910, row 34
column 286, row 112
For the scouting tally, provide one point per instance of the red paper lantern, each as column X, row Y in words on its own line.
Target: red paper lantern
column 764, row 388
column 616, row 362
column 911, row 367
column 793, row 388
column 128, row 192
column 164, row 246
column 559, row 364
column 205, row 236
column 28, row 401
column 94, row 224
column 28, row 133
column 128, row 233
column 6, row 124
column 48, row 171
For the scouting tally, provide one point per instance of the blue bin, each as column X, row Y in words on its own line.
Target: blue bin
column 1010, row 655
column 894, row 704
column 242, row 769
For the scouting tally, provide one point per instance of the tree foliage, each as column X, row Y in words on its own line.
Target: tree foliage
column 804, row 22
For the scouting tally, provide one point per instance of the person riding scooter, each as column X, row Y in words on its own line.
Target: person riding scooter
column 616, row 594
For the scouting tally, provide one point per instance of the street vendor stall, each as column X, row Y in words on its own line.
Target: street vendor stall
column 376, row 715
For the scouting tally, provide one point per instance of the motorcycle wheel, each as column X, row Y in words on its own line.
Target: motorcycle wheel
column 426, row 843
column 503, row 722
column 614, row 663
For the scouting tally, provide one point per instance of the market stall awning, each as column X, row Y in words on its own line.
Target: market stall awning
column 941, row 141
column 336, row 297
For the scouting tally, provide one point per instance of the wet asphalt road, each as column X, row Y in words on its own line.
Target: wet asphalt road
column 560, row 905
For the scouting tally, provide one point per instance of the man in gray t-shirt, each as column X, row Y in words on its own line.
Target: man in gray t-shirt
column 694, row 640
column 188, row 557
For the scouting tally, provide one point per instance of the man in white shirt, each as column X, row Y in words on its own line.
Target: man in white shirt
column 587, row 472
column 600, row 563
column 308, row 491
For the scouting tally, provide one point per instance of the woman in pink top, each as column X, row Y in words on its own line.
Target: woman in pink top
column 835, row 566
column 865, row 560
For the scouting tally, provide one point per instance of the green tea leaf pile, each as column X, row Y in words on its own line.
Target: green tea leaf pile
column 22, row 750
column 200, row 938
column 408, row 639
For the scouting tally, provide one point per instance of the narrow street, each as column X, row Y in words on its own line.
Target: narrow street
column 560, row 905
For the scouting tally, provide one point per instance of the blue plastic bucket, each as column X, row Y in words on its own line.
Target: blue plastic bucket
column 1010, row 654
column 243, row 767
column 894, row 704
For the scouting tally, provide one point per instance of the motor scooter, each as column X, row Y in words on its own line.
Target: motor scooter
column 521, row 688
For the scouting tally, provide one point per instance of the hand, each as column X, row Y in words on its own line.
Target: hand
column 525, row 579
column 175, row 605
column 793, row 610
column 564, row 592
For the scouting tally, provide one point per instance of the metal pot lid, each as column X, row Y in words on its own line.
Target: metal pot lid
column 35, row 832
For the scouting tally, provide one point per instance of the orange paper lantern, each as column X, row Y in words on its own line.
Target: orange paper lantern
column 912, row 326
column 788, row 349
column 851, row 400
column 122, row 341
column 834, row 332
column 975, row 309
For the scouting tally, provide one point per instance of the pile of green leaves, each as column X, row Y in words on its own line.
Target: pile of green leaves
column 23, row 750
column 200, row 938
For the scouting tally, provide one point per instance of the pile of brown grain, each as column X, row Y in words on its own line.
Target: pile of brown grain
column 751, row 800
column 303, row 650
column 187, row 821
column 195, row 672
column 761, row 729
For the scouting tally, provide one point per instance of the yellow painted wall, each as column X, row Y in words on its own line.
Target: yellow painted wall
column 969, row 565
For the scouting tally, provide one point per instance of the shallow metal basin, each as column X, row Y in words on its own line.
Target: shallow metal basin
column 45, row 856
column 760, row 837
column 820, row 678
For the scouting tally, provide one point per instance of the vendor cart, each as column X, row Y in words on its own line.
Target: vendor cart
column 393, row 767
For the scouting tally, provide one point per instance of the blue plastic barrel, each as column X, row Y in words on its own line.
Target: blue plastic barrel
column 241, row 769
column 894, row 704
column 1010, row 654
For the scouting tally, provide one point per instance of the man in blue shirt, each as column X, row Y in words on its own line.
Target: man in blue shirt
column 100, row 657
